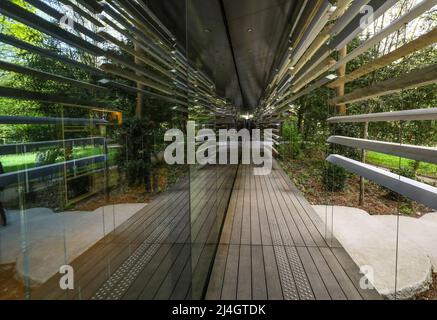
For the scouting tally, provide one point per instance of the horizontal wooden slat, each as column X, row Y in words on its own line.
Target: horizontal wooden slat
column 48, row 54
column 393, row 27
column 405, row 115
column 418, row 153
column 414, row 79
column 413, row 46
column 22, row 176
column 51, row 120
column 35, row 146
column 20, row 14
column 19, row 94
column 50, row 11
column 308, row 90
column 409, row 188
column 48, row 76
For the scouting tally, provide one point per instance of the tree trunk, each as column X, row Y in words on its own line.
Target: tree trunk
column 140, row 95
column 341, row 72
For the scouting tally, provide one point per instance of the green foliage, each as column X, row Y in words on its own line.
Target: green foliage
column 135, row 136
column 19, row 30
column 347, row 130
column 293, row 138
column 393, row 162
column 136, row 171
column 406, row 205
column 334, row 177
column 406, row 208
column 403, row 172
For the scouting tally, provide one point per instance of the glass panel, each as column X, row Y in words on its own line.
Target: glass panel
column 90, row 195
column 417, row 228
column 360, row 217
column 210, row 182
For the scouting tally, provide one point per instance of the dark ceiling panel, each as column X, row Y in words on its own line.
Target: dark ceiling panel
column 256, row 30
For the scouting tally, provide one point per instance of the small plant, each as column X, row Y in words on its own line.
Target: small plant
column 403, row 172
column 334, row 178
column 291, row 134
column 135, row 172
column 134, row 157
column 406, row 208
column 347, row 130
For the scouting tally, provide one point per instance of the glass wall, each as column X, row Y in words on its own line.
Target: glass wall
column 91, row 208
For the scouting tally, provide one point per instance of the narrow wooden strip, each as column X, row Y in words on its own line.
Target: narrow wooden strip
column 259, row 287
column 218, row 273
column 244, row 288
column 254, row 212
column 333, row 287
column 229, row 291
column 354, row 274
column 274, row 288
column 302, row 214
column 266, row 237
column 246, row 221
column 345, row 282
column 313, row 275
column 289, row 230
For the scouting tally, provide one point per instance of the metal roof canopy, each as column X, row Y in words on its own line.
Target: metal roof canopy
column 237, row 43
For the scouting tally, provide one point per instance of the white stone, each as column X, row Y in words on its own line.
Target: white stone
column 372, row 241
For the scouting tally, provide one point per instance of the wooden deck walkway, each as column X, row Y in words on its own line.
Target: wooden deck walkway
column 270, row 245
column 273, row 247
column 162, row 252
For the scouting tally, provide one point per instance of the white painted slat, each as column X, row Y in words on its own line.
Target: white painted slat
column 406, row 115
column 414, row 190
column 408, row 151
column 393, row 27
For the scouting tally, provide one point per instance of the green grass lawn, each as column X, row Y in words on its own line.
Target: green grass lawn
column 392, row 162
column 16, row 162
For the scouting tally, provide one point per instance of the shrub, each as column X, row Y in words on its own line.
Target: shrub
column 347, row 130
column 134, row 157
column 291, row 134
column 404, row 172
column 136, row 172
column 334, row 177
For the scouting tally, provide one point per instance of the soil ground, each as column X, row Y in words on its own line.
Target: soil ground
column 10, row 288
column 431, row 294
column 307, row 174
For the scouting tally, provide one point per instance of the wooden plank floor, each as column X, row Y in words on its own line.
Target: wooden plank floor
column 274, row 246
column 162, row 252
column 258, row 233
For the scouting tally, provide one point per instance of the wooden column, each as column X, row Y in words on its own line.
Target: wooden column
column 140, row 96
column 341, row 72
column 342, row 53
